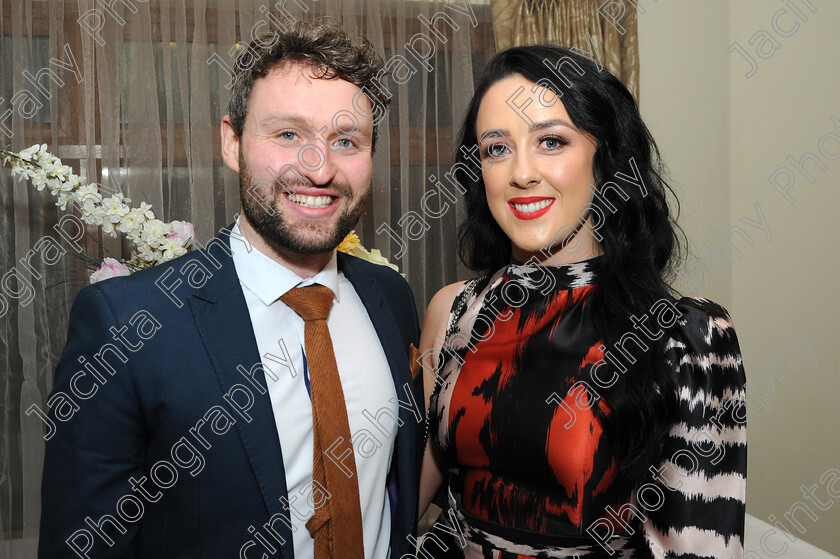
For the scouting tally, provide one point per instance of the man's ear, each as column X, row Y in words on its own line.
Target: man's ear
column 230, row 145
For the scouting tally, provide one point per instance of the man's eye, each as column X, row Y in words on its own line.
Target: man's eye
column 287, row 135
column 344, row 143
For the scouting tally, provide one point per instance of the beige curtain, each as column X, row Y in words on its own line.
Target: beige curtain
column 134, row 102
column 602, row 30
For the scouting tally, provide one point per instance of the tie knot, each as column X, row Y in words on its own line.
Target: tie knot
column 312, row 302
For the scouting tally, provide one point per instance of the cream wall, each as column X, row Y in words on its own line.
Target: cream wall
column 684, row 91
column 723, row 135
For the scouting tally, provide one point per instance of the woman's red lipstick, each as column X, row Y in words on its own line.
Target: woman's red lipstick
column 529, row 200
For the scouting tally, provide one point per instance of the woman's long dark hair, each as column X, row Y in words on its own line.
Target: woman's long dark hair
column 640, row 237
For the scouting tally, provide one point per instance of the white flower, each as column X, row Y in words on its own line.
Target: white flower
column 96, row 216
column 146, row 210
column 148, row 255
column 64, row 185
column 154, row 233
column 23, row 171
column 154, row 241
column 88, row 197
column 57, row 187
column 132, row 222
column 53, row 166
column 27, row 154
column 114, row 208
column 91, row 219
column 88, row 209
column 63, row 200
column 108, row 227
column 182, row 232
column 110, row 268
column 39, row 181
column 172, row 248
column 154, row 229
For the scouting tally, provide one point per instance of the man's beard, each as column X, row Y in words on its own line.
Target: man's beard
column 272, row 225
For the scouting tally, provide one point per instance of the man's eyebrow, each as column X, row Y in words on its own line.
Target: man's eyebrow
column 304, row 123
column 283, row 118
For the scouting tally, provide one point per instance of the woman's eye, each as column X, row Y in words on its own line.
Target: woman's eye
column 552, row 142
column 495, row 150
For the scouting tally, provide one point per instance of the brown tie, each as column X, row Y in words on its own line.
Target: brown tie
column 336, row 525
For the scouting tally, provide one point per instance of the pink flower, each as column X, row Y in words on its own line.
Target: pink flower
column 110, row 268
column 182, row 232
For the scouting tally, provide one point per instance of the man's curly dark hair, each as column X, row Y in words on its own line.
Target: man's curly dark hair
column 323, row 45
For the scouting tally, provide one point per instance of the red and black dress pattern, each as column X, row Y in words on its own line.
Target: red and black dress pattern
column 531, row 469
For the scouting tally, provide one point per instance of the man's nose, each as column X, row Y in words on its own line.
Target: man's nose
column 316, row 164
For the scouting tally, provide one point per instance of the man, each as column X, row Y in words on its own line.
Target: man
column 202, row 424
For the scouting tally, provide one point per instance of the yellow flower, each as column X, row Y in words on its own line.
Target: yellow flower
column 350, row 242
column 353, row 245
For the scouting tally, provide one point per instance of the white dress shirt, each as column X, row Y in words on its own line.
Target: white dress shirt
column 368, row 387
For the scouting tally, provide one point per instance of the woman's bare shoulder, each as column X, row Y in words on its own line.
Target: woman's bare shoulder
column 434, row 326
column 441, row 303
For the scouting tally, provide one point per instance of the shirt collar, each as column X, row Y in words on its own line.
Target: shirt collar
column 269, row 280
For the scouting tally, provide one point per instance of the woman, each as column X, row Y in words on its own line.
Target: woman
column 577, row 409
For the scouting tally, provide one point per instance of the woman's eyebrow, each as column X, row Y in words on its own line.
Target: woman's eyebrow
column 549, row 123
column 504, row 133
column 493, row 133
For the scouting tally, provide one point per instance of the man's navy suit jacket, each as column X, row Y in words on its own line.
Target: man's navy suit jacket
column 186, row 383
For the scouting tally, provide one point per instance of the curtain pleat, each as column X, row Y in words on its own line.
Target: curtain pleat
column 201, row 127
column 378, row 209
column 143, row 149
column 227, row 35
column 23, row 381
column 568, row 22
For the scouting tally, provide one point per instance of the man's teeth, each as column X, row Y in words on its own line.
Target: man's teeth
column 533, row 206
column 311, row 201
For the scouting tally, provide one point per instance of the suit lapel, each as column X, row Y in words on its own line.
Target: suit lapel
column 222, row 318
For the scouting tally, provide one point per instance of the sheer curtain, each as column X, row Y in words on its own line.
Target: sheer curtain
column 131, row 97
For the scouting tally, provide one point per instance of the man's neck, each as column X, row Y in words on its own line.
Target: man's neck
column 303, row 265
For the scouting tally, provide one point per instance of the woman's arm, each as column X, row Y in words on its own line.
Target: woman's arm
column 697, row 505
column 431, row 341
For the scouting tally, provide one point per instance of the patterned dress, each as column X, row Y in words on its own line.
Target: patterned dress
column 530, row 471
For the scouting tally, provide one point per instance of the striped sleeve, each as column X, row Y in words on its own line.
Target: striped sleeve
column 704, row 467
